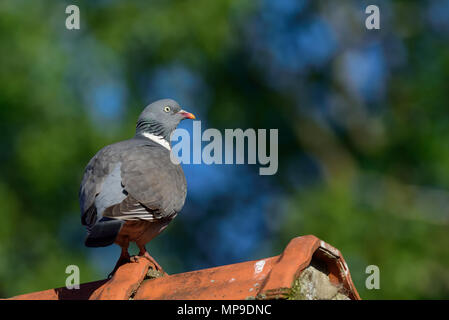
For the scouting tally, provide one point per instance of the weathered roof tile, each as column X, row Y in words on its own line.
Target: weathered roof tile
column 270, row 278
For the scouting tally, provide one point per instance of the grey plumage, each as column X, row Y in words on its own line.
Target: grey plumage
column 134, row 179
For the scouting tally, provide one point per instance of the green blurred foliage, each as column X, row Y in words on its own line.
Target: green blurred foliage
column 382, row 192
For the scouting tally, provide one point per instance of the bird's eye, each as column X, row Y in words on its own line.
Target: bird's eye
column 167, row 109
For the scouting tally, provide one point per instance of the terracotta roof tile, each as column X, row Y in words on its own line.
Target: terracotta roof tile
column 268, row 278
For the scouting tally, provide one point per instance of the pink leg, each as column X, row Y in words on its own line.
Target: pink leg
column 144, row 253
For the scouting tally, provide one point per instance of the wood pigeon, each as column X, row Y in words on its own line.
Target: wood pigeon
column 131, row 190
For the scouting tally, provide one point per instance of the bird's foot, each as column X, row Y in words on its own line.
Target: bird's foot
column 154, row 265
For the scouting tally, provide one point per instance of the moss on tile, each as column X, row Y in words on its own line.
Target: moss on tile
column 314, row 284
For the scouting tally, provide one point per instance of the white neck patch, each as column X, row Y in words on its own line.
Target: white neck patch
column 158, row 139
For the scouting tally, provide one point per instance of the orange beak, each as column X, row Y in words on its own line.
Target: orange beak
column 186, row 115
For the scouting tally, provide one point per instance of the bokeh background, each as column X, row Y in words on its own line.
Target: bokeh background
column 363, row 119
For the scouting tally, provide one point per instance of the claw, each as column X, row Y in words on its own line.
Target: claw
column 154, row 265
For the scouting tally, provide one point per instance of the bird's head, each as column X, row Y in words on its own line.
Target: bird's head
column 161, row 118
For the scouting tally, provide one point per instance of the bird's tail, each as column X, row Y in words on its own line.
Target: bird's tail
column 103, row 233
